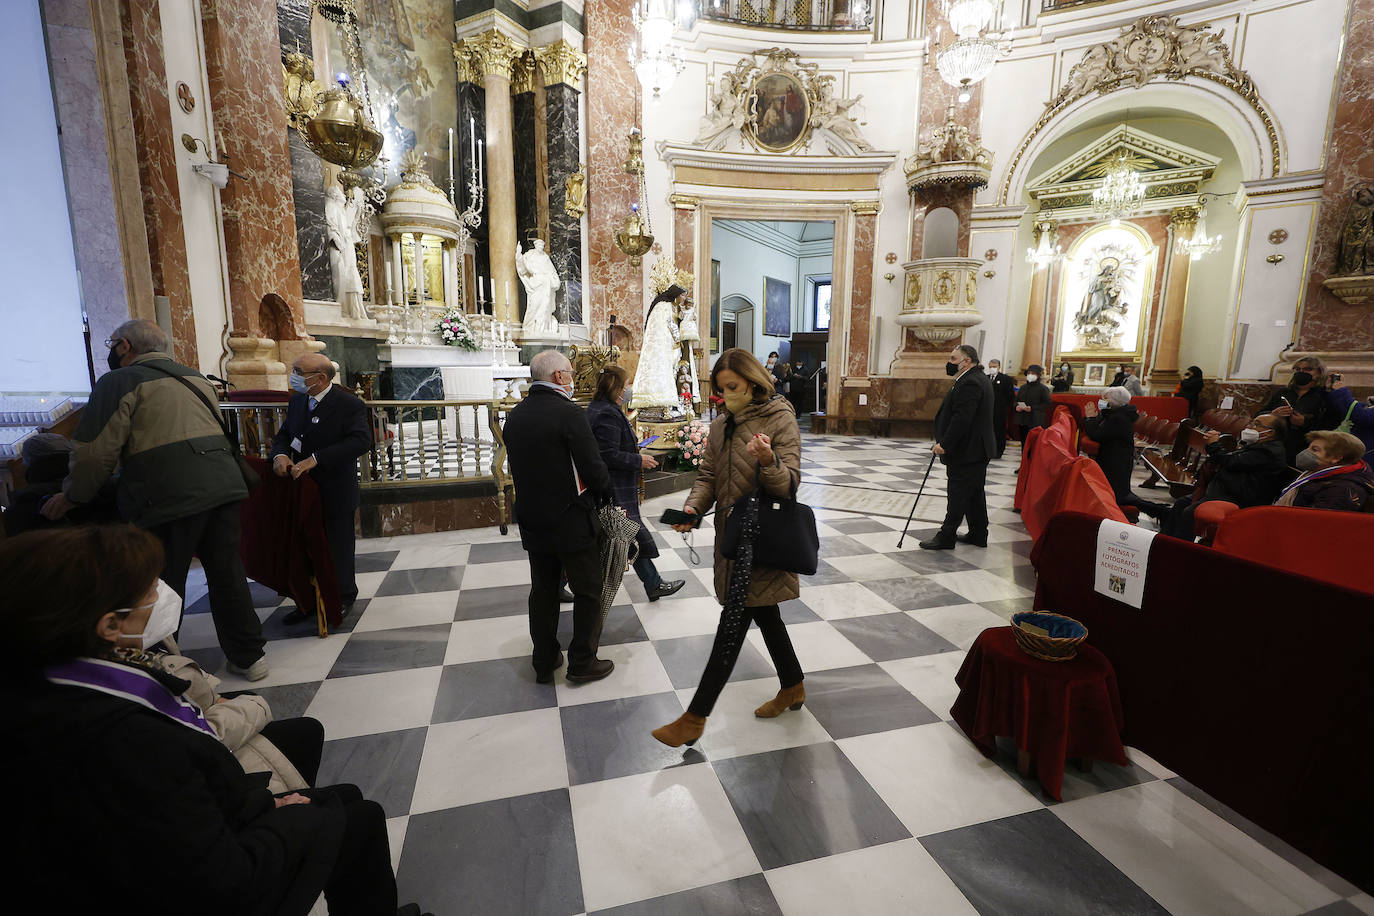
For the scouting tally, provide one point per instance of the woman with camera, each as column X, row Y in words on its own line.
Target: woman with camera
column 753, row 444
column 128, row 797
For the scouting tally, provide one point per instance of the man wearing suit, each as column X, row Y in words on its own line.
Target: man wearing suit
column 1003, row 391
column 325, row 430
column 965, row 444
column 559, row 478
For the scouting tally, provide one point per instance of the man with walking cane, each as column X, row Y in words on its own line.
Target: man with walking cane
column 965, row 443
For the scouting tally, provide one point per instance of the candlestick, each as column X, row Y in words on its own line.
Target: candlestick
column 481, row 166
column 450, row 154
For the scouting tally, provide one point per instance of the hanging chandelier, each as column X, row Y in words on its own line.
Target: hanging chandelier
column 343, row 131
column 656, row 60
column 1200, row 244
column 970, row 57
column 1120, row 193
column 1047, row 252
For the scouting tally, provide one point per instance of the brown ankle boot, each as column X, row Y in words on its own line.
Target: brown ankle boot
column 788, row 698
column 685, row 730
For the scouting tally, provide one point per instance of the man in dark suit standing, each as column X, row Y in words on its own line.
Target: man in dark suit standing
column 965, row 444
column 559, row 479
column 1003, row 391
column 325, row 430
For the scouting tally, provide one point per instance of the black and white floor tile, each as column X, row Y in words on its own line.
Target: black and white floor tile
column 506, row 796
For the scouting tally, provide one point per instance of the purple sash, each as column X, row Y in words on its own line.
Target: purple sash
column 129, row 684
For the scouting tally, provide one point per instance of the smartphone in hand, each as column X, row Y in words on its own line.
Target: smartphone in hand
column 678, row 517
column 649, row 441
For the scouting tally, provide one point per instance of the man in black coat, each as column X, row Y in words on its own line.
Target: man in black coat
column 325, row 430
column 1252, row 475
column 1003, row 391
column 559, row 480
column 965, row 444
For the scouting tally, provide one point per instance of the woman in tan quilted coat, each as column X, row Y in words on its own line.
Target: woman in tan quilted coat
column 755, row 441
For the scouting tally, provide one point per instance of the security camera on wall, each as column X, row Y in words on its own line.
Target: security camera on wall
column 217, row 173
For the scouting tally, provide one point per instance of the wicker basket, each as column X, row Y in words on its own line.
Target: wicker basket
column 1048, row 648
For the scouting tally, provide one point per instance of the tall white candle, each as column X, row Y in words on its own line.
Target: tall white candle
column 481, row 167
column 450, row 154
column 481, row 293
column 472, row 139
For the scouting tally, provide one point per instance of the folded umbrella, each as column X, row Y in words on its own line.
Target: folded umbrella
column 618, row 549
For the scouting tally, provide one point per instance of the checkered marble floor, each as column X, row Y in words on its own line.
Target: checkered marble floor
column 505, row 796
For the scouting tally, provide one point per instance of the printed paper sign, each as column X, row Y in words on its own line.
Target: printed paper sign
column 1123, row 555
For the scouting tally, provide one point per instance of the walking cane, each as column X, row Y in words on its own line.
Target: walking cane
column 912, row 514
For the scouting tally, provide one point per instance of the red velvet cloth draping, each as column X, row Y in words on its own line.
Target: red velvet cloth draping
column 1254, row 684
column 1051, row 710
column 283, row 542
column 1175, row 410
column 1055, row 478
column 1281, row 537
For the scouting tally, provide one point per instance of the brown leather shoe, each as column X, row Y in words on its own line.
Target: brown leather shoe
column 686, row 729
column 788, row 698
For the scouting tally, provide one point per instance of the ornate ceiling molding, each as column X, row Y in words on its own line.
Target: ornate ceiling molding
column 1152, row 48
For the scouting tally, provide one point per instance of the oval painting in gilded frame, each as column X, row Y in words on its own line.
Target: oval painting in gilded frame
column 779, row 111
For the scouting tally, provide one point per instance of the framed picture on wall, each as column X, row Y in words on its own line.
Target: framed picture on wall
column 777, row 307
column 1095, row 374
column 715, row 306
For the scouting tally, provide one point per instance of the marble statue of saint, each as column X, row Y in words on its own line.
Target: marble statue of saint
column 689, row 333
column 655, row 384
column 726, row 117
column 832, row 114
column 341, row 223
column 1100, row 297
column 1355, row 257
column 541, row 280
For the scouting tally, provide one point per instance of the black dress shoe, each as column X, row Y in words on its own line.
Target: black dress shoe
column 966, row 539
column 546, row 677
column 565, row 596
column 593, row 672
column 296, row 615
column 665, row 589
column 936, row 544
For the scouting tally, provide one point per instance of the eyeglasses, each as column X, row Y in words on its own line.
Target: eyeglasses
column 109, row 344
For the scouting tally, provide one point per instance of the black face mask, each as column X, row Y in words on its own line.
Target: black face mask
column 113, row 360
column 1301, row 378
column 951, row 368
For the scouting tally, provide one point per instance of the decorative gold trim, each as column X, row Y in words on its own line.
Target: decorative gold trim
column 491, row 53
column 560, row 62
column 1250, row 195
column 467, row 73
column 1183, row 219
column 866, row 207
column 523, row 74
column 684, row 201
column 1150, row 49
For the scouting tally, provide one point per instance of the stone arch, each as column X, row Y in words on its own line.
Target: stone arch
column 274, row 318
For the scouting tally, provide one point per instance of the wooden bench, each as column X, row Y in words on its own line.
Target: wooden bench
column 818, row 423
column 1180, row 467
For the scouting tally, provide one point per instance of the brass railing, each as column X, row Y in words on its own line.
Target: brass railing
column 414, row 443
column 841, row 15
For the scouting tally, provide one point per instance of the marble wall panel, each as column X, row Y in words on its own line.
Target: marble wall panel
column 293, row 28
column 861, row 293
column 243, row 62
column 353, row 354
column 1327, row 322
column 412, row 383
column 80, row 104
column 615, row 285
column 564, row 153
column 312, row 238
column 141, row 23
column 526, row 175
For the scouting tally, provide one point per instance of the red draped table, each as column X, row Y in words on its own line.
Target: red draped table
column 1051, row 710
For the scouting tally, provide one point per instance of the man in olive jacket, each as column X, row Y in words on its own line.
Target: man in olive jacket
column 965, row 442
column 559, row 477
column 177, row 477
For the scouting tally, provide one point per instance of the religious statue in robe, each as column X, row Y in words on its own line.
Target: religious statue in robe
column 655, row 384
column 541, row 281
column 1355, row 255
column 341, row 217
column 689, row 334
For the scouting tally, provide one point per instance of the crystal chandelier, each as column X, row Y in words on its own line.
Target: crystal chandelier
column 1047, row 252
column 656, row 61
column 1200, row 243
column 1120, row 193
column 970, row 57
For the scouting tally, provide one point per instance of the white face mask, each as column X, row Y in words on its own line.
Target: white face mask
column 164, row 619
column 1101, row 403
column 1249, row 436
column 993, row 370
column 1032, row 377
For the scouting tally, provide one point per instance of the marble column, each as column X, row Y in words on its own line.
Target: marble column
column 612, row 108
column 526, row 159
column 861, row 288
column 1342, row 333
column 1033, row 349
column 243, row 62
column 563, row 67
column 307, row 173
column 494, row 56
column 1164, row 374
column 472, row 125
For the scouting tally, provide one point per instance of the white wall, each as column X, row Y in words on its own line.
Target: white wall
column 41, row 346
column 747, row 253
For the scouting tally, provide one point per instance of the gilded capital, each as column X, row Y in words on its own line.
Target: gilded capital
column 491, row 53
column 560, row 62
column 522, row 79
column 1183, row 219
column 462, row 59
column 866, row 207
column 684, row 201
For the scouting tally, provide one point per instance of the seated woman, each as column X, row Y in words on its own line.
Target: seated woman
column 1359, row 414
column 1252, row 475
column 115, row 761
column 1335, row 475
column 620, row 451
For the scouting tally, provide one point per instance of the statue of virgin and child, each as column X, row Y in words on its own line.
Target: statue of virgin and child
column 665, row 383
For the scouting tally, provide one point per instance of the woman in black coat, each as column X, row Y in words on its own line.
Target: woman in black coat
column 114, row 769
column 1063, row 379
column 1032, row 403
column 620, row 451
column 1190, row 387
column 1111, row 424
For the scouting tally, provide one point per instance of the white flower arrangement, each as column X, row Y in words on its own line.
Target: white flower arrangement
column 455, row 331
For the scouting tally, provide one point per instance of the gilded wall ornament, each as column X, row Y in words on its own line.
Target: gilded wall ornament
column 949, row 156
column 944, row 288
column 1278, row 236
column 185, row 100
column 575, row 194
column 300, row 90
column 1152, row 48
column 913, row 290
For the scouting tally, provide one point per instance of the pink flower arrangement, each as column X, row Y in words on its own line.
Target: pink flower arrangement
column 691, row 441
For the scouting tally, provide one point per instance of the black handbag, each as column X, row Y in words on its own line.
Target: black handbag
column 787, row 538
column 251, row 479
